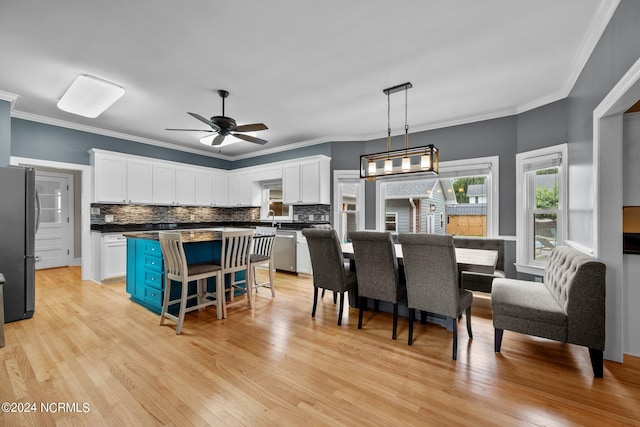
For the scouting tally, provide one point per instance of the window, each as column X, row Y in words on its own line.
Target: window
column 540, row 210
column 465, row 192
column 348, row 206
column 272, row 206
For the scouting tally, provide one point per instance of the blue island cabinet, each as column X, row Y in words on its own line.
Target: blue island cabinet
column 145, row 270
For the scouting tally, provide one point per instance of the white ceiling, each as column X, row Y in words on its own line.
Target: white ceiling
column 311, row 71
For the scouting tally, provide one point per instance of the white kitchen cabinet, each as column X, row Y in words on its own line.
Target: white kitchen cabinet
column 109, row 256
column 164, row 184
column 220, row 189
column 243, row 190
column 303, row 259
column 110, row 178
column 185, row 186
column 139, row 181
column 306, row 182
column 204, row 187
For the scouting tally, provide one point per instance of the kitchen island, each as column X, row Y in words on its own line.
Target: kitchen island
column 145, row 267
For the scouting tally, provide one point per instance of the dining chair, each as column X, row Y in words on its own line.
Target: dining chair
column 377, row 271
column 262, row 254
column 176, row 269
column 329, row 271
column 431, row 272
column 234, row 258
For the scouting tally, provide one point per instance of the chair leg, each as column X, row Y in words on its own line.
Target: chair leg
column 323, row 292
column 360, row 312
column 497, row 339
column 468, row 316
column 248, row 284
column 395, row 321
column 221, row 299
column 454, row 354
column 315, row 301
column 412, row 314
column 335, row 296
column 597, row 362
column 183, row 307
column 165, row 299
column 271, row 281
column 341, row 307
column 376, row 305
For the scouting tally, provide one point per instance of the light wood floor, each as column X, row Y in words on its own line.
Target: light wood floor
column 90, row 346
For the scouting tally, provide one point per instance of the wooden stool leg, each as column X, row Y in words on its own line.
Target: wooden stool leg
column 165, row 300
column 271, row 281
column 183, row 307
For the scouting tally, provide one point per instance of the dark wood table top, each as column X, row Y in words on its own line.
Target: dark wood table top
column 188, row 236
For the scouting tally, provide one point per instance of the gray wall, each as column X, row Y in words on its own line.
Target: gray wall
column 58, row 144
column 616, row 51
column 5, row 132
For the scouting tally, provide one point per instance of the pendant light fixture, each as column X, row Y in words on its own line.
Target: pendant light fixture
column 410, row 160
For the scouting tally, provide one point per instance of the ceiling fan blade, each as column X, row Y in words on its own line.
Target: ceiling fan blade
column 217, row 140
column 192, row 130
column 203, row 120
column 252, row 127
column 249, row 138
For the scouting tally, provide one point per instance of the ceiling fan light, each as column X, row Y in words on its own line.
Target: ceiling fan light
column 230, row 139
column 89, row 96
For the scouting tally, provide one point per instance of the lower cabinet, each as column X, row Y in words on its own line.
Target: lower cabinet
column 303, row 259
column 145, row 271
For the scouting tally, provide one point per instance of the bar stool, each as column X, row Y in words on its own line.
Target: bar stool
column 177, row 269
column 234, row 257
column 262, row 254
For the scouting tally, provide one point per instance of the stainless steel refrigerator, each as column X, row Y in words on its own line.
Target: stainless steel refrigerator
column 19, row 217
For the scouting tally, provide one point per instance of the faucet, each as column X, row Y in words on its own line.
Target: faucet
column 272, row 214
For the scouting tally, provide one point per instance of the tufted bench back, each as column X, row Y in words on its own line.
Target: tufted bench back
column 577, row 282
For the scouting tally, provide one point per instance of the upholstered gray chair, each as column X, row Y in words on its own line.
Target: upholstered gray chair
column 377, row 271
column 329, row 271
column 432, row 281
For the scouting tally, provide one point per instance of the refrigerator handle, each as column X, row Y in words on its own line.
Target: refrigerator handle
column 37, row 210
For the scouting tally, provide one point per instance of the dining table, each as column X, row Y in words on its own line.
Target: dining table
column 473, row 260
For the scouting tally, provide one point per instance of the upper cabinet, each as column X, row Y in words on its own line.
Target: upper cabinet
column 122, row 178
column 306, row 182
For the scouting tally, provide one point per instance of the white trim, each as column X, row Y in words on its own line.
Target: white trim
column 360, row 207
column 85, row 204
column 582, row 248
column 522, row 223
column 607, row 205
column 10, row 97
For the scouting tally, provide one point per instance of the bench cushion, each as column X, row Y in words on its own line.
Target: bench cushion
column 529, row 308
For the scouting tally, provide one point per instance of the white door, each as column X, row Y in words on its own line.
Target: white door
column 52, row 239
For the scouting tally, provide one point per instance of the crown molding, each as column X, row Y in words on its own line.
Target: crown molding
column 10, row 97
column 99, row 131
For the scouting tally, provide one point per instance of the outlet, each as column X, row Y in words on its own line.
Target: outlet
column 311, row 217
column 108, row 218
column 295, row 217
column 193, row 217
column 95, row 211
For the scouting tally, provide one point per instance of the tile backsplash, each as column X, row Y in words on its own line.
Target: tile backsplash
column 146, row 214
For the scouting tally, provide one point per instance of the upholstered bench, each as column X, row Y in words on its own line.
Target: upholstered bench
column 479, row 281
column 569, row 306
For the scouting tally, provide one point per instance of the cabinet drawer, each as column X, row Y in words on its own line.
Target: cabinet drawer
column 153, row 297
column 153, row 278
column 152, row 248
column 153, row 263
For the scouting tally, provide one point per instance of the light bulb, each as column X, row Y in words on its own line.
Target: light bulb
column 372, row 168
column 388, row 166
column 425, row 161
column 406, row 164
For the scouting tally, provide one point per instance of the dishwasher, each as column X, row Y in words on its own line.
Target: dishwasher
column 284, row 251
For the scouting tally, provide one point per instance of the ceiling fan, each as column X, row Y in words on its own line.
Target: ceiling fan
column 224, row 126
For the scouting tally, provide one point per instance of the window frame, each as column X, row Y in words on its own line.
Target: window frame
column 265, row 186
column 347, row 177
column 489, row 165
column 527, row 163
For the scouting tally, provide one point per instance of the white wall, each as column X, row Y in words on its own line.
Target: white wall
column 631, row 269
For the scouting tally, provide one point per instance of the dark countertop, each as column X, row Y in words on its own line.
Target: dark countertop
column 188, row 236
column 123, row 228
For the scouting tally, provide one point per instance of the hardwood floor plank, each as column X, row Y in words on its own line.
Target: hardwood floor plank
column 275, row 365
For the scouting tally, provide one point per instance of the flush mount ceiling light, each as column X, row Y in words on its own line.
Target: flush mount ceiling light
column 398, row 162
column 89, row 96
